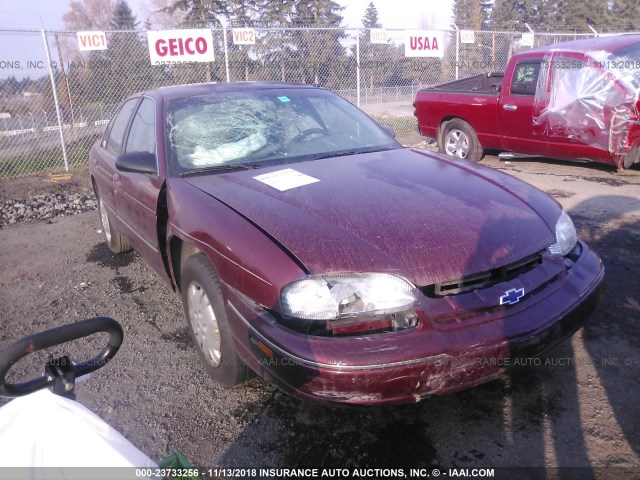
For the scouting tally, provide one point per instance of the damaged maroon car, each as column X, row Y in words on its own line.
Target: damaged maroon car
column 309, row 247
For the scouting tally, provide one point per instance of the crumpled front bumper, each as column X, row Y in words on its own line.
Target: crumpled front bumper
column 409, row 365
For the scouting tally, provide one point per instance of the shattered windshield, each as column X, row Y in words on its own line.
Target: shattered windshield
column 258, row 127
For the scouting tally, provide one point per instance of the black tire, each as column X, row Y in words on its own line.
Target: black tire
column 201, row 297
column 458, row 139
column 116, row 242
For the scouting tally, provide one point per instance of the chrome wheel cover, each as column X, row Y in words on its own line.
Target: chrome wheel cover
column 204, row 323
column 456, row 144
column 105, row 221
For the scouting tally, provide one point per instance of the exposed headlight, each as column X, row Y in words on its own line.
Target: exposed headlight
column 566, row 236
column 329, row 297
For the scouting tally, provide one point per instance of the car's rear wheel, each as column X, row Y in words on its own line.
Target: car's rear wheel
column 116, row 242
column 203, row 305
column 459, row 140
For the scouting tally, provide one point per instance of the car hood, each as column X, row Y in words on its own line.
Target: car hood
column 401, row 211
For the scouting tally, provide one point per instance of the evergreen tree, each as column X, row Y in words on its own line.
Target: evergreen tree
column 511, row 15
column 275, row 49
column 486, row 7
column 276, row 13
column 624, row 16
column 200, row 13
column 467, row 14
column 572, row 16
column 242, row 14
column 122, row 18
column 124, row 67
column 370, row 18
column 375, row 59
column 320, row 51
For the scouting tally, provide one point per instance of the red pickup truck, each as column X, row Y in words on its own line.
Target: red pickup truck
column 573, row 100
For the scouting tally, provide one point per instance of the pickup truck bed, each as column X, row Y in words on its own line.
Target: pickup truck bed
column 485, row 82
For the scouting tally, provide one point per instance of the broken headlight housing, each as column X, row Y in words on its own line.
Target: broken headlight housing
column 566, row 236
column 351, row 302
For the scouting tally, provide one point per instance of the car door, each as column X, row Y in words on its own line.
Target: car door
column 110, row 147
column 137, row 193
column 517, row 109
column 578, row 114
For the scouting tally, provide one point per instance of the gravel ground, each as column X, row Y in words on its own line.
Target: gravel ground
column 579, row 408
column 44, row 197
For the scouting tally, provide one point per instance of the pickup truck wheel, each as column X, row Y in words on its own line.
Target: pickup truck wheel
column 631, row 158
column 203, row 305
column 115, row 242
column 459, row 140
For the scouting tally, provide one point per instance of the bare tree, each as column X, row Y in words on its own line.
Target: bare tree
column 88, row 15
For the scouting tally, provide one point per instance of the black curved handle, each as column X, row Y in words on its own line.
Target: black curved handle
column 56, row 336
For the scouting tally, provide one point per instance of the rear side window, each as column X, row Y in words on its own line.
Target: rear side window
column 525, row 78
column 142, row 133
column 119, row 125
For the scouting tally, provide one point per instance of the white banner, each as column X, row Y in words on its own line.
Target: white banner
column 180, row 46
column 91, row 41
column 244, row 36
column 378, row 35
column 423, row 43
column 527, row 40
column 467, row 36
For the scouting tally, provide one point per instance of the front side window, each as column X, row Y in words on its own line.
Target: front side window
column 118, row 126
column 142, row 136
column 525, row 78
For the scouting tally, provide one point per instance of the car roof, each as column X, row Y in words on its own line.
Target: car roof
column 607, row 44
column 178, row 91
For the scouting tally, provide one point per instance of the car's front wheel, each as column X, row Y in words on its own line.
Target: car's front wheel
column 458, row 139
column 203, row 305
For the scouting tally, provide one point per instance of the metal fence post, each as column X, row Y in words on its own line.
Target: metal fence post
column 358, row 66
column 226, row 52
column 457, row 50
column 55, row 100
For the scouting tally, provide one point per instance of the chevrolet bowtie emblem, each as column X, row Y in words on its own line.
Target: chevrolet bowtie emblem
column 512, row 296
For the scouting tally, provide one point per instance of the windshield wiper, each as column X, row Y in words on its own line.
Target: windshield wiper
column 219, row 168
column 343, row 153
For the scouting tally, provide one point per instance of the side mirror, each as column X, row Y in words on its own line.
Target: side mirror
column 137, row 162
column 389, row 130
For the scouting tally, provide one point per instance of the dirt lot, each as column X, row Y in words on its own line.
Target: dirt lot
column 579, row 408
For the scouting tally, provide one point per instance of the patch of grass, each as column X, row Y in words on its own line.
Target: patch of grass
column 46, row 160
column 399, row 124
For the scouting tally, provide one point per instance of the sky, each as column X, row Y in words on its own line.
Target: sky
column 28, row 14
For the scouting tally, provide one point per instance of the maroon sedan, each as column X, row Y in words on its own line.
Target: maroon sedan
column 309, row 247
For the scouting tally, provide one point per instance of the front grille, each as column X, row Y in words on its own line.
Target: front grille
column 480, row 280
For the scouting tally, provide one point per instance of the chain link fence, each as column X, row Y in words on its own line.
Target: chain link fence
column 55, row 100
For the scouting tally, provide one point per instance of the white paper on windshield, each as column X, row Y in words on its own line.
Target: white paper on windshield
column 286, row 179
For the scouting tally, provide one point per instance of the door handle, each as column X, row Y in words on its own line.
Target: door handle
column 116, row 177
column 510, row 107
